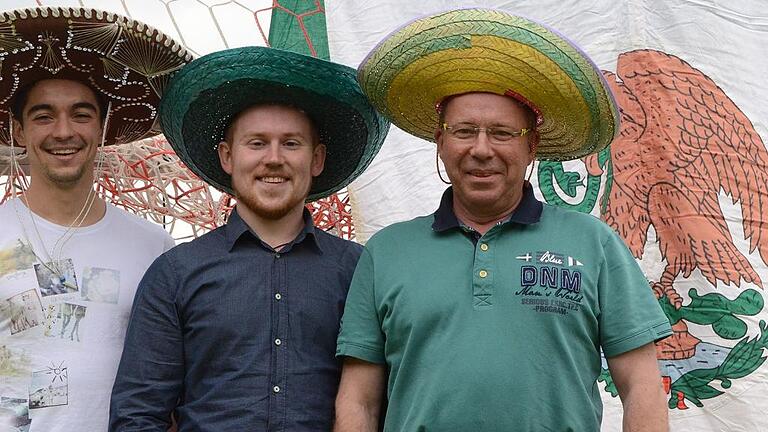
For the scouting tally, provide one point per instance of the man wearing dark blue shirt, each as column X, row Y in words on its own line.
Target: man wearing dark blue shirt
column 237, row 330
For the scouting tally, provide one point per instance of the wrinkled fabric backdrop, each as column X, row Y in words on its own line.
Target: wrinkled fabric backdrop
column 685, row 183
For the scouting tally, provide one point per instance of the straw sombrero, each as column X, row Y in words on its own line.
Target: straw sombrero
column 125, row 62
column 208, row 93
column 480, row 50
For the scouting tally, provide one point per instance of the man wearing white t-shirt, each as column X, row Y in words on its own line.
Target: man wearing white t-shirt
column 69, row 262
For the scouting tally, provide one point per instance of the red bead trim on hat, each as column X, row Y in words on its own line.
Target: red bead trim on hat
column 440, row 105
column 520, row 98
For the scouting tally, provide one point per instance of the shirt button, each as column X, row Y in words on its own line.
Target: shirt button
column 278, row 296
column 483, row 247
column 483, row 273
column 277, row 255
column 276, row 389
column 278, row 342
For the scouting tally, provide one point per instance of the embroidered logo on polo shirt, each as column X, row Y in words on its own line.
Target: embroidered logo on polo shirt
column 550, row 282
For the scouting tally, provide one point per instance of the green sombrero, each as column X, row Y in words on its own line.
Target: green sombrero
column 208, row 93
column 419, row 65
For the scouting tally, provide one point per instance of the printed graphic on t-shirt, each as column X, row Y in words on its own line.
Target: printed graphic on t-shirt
column 100, row 285
column 49, row 387
column 14, row 415
column 16, row 256
column 63, row 321
column 24, row 311
column 550, row 282
column 13, row 363
column 57, row 277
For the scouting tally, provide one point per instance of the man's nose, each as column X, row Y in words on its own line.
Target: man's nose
column 274, row 153
column 63, row 129
column 482, row 146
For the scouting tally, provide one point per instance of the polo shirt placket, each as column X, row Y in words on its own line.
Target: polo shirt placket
column 484, row 270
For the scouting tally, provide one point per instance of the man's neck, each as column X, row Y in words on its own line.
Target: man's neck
column 482, row 221
column 274, row 232
column 64, row 206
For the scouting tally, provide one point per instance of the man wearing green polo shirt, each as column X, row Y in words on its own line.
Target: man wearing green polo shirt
column 490, row 314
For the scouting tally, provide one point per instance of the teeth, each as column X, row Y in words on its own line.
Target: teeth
column 272, row 179
column 64, row 152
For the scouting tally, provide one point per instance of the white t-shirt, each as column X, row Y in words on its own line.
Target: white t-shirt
column 62, row 325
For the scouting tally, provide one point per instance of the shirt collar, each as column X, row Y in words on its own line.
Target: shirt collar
column 236, row 228
column 527, row 212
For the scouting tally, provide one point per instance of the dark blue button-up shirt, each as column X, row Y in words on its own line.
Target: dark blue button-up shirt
column 235, row 336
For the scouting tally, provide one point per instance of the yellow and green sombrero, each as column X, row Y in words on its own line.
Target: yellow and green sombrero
column 420, row 64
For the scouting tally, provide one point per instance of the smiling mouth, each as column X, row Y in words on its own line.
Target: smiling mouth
column 63, row 152
column 274, row 180
column 481, row 174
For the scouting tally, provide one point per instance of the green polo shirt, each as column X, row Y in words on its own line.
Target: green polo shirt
column 498, row 332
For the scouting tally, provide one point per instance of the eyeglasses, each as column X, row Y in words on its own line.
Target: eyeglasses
column 495, row 134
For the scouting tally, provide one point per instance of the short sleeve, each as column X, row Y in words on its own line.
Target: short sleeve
column 361, row 336
column 630, row 315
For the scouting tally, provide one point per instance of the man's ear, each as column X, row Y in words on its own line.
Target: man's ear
column 318, row 160
column 225, row 156
column 438, row 134
column 18, row 134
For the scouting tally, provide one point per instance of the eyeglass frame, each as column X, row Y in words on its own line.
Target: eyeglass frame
column 488, row 132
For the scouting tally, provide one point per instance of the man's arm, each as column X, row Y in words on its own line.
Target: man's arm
column 637, row 378
column 360, row 397
column 150, row 376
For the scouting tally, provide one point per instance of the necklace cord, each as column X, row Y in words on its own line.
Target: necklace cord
column 51, row 264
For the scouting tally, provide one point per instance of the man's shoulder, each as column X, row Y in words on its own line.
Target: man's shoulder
column 336, row 244
column 203, row 246
column 143, row 233
column 9, row 228
column 7, row 207
column 563, row 218
column 124, row 218
column 583, row 230
column 405, row 231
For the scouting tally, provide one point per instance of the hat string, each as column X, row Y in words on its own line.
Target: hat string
column 534, row 146
column 437, row 165
column 91, row 198
column 16, row 172
column 53, row 265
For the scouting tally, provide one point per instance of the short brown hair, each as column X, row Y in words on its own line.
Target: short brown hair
column 19, row 101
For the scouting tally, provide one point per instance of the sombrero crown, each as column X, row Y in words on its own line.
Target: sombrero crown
column 124, row 61
column 206, row 95
column 481, row 50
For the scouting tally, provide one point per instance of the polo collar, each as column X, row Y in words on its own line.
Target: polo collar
column 527, row 212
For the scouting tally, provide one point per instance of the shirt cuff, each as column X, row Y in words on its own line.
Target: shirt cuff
column 346, row 349
column 654, row 333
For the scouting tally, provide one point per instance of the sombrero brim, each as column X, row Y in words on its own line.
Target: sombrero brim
column 483, row 50
column 207, row 94
column 125, row 62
